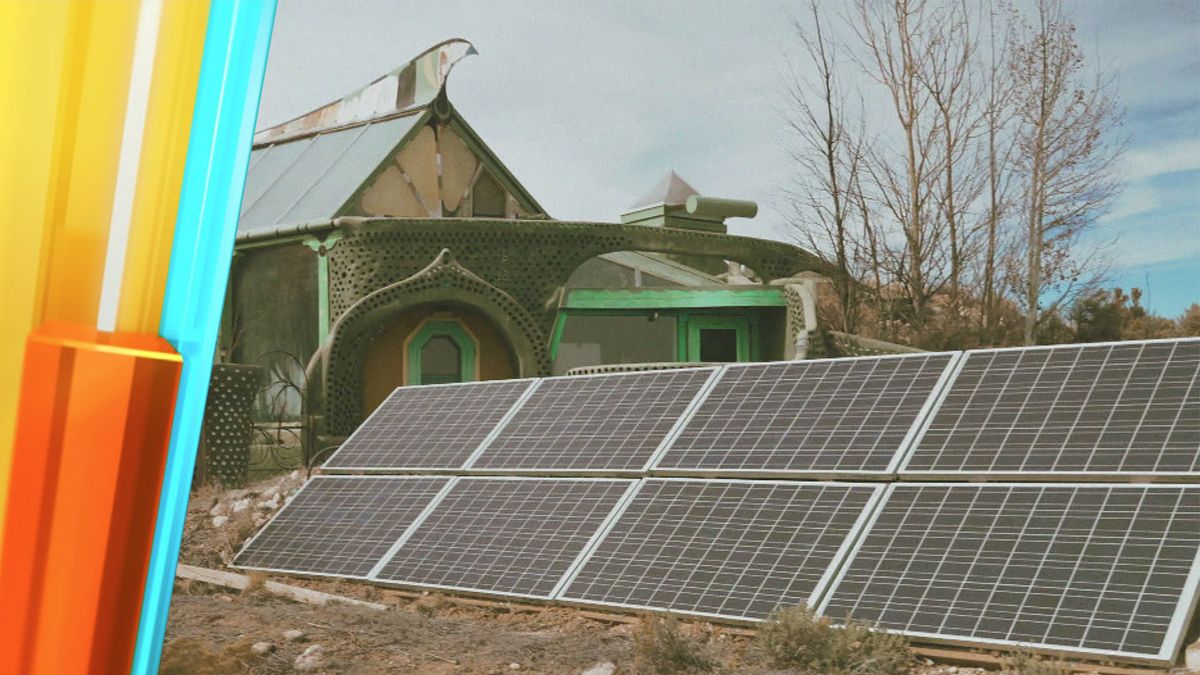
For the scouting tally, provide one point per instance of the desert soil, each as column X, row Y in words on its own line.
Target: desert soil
column 214, row 630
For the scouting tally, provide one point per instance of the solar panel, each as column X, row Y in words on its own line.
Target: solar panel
column 1107, row 410
column 822, row 418
column 508, row 536
column 593, row 423
column 724, row 549
column 428, row 427
column 339, row 525
column 1104, row 570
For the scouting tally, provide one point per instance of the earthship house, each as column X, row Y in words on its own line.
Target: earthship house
column 381, row 243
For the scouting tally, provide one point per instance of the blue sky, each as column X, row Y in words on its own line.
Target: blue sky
column 590, row 104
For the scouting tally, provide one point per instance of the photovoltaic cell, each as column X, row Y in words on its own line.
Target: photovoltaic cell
column 428, row 427
column 594, row 423
column 819, row 416
column 1129, row 407
column 505, row 535
column 733, row 549
column 339, row 525
column 1100, row 569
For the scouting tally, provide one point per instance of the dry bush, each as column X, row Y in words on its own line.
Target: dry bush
column 1028, row 664
column 798, row 639
column 188, row 656
column 660, row 647
column 235, row 533
column 256, row 586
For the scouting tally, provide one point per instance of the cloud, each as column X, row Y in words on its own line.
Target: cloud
column 1142, row 163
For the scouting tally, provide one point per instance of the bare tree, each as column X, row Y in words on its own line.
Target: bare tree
column 1068, row 162
column 948, row 74
column 826, row 159
column 896, row 38
column 997, row 117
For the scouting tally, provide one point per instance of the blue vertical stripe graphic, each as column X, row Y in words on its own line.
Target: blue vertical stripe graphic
column 227, row 95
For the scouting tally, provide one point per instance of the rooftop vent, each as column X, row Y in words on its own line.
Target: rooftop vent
column 674, row 203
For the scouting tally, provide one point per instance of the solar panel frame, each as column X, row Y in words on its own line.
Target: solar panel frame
column 657, row 467
column 315, row 480
column 904, row 473
column 826, row 579
column 473, row 468
column 374, row 576
column 1175, row 632
column 328, row 468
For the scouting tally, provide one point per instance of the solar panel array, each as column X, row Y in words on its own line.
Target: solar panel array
column 433, row 427
column 727, row 549
column 823, row 417
column 1105, row 569
column 1087, row 568
column 1100, row 409
column 340, row 525
column 598, row 423
column 514, row 536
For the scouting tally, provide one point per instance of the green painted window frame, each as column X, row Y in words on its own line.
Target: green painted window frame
column 739, row 324
column 451, row 329
column 746, row 325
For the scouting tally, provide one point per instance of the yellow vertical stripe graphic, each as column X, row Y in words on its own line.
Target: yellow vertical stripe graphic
column 66, row 68
column 28, row 130
column 87, row 150
column 164, row 148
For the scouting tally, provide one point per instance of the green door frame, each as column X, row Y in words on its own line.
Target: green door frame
column 698, row 322
column 451, row 329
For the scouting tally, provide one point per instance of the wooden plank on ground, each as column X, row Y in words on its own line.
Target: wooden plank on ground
column 241, row 582
column 966, row 657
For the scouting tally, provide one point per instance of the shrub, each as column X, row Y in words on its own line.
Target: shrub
column 798, row 639
column 660, row 647
column 256, row 586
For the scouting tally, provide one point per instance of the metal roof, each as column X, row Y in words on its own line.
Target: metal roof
column 670, row 191
column 311, row 178
column 664, row 268
column 412, row 86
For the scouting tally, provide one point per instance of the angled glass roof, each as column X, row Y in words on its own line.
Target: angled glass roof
column 309, row 179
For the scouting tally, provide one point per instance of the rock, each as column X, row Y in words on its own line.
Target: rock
column 262, row 648
column 221, row 509
column 312, row 658
column 1191, row 657
column 293, row 635
column 220, row 521
column 268, row 504
column 241, row 505
column 603, row 668
column 514, row 666
column 232, row 495
column 259, row 520
column 295, row 475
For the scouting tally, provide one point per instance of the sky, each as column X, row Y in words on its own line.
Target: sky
column 590, row 104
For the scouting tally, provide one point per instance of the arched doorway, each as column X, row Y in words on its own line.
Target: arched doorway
column 441, row 352
column 434, row 345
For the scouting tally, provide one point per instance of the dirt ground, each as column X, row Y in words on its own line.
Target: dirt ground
column 214, row 630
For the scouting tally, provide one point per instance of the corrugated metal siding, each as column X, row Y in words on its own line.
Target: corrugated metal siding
column 310, row 178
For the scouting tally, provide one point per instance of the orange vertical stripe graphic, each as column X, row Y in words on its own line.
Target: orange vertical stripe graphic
column 89, row 452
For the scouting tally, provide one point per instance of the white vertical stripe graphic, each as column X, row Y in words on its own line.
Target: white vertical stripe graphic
column 145, row 45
